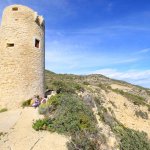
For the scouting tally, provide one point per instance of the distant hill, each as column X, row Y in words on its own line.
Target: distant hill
column 94, row 80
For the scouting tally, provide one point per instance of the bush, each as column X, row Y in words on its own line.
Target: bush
column 2, row 134
column 137, row 100
column 66, row 87
column 40, row 124
column 26, row 103
column 129, row 139
column 148, row 107
column 43, row 109
column 3, row 110
column 102, row 86
column 71, row 114
column 49, row 106
column 70, row 117
column 141, row 114
column 102, row 111
column 98, row 101
column 84, row 141
column 86, row 83
column 53, row 101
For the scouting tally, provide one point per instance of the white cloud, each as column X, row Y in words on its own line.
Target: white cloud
column 146, row 50
column 71, row 56
column 139, row 77
column 69, row 53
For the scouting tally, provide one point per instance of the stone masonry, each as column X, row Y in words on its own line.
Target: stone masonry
column 22, row 55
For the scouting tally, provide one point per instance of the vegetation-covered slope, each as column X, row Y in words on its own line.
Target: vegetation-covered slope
column 97, row 112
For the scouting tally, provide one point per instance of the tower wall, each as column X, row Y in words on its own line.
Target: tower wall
column 22, row 51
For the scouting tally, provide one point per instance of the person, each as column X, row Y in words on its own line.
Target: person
column 43, row 100
column 36, row 102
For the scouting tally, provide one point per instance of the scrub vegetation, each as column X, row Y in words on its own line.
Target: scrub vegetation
column 129, row 139
column 3, row 110
column 70, row 117
column 70, row 112
column 137, row 100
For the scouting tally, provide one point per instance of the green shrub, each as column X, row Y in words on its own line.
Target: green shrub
column 86, row 83
column 66, row 86
column 26, row 103
column 98, row 101
column 111, row 111
column 54, row 101
column 137, row 100
column 102, row 86
column 141, row 114
column 84, row 141
column 49, row 106
column 129, row 139
column 102, row 111
column 2, row 134
column 40, row 124
column 71, row 116
column 3, row 110
column 43, row 109
column 148, row 107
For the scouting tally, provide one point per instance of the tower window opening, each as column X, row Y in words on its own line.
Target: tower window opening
column 10, row 45
column 15, row 9
column 37, row 43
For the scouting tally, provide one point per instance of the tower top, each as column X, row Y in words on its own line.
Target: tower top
column 16, row 12
column 17, row 7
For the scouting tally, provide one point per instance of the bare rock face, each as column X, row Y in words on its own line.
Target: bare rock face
column 22, row 46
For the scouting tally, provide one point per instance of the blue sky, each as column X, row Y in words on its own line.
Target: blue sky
column 96, row 36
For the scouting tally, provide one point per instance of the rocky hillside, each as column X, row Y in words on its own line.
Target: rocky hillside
column 90, row 112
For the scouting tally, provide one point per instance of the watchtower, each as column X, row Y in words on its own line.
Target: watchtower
column 22, row 55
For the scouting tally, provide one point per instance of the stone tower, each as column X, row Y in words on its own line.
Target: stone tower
column 22, row 55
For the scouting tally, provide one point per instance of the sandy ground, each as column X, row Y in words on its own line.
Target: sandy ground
column 121, row 87
column 125, row 113
column 21, row 136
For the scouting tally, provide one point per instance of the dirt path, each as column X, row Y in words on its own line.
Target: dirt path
column 21, row 136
